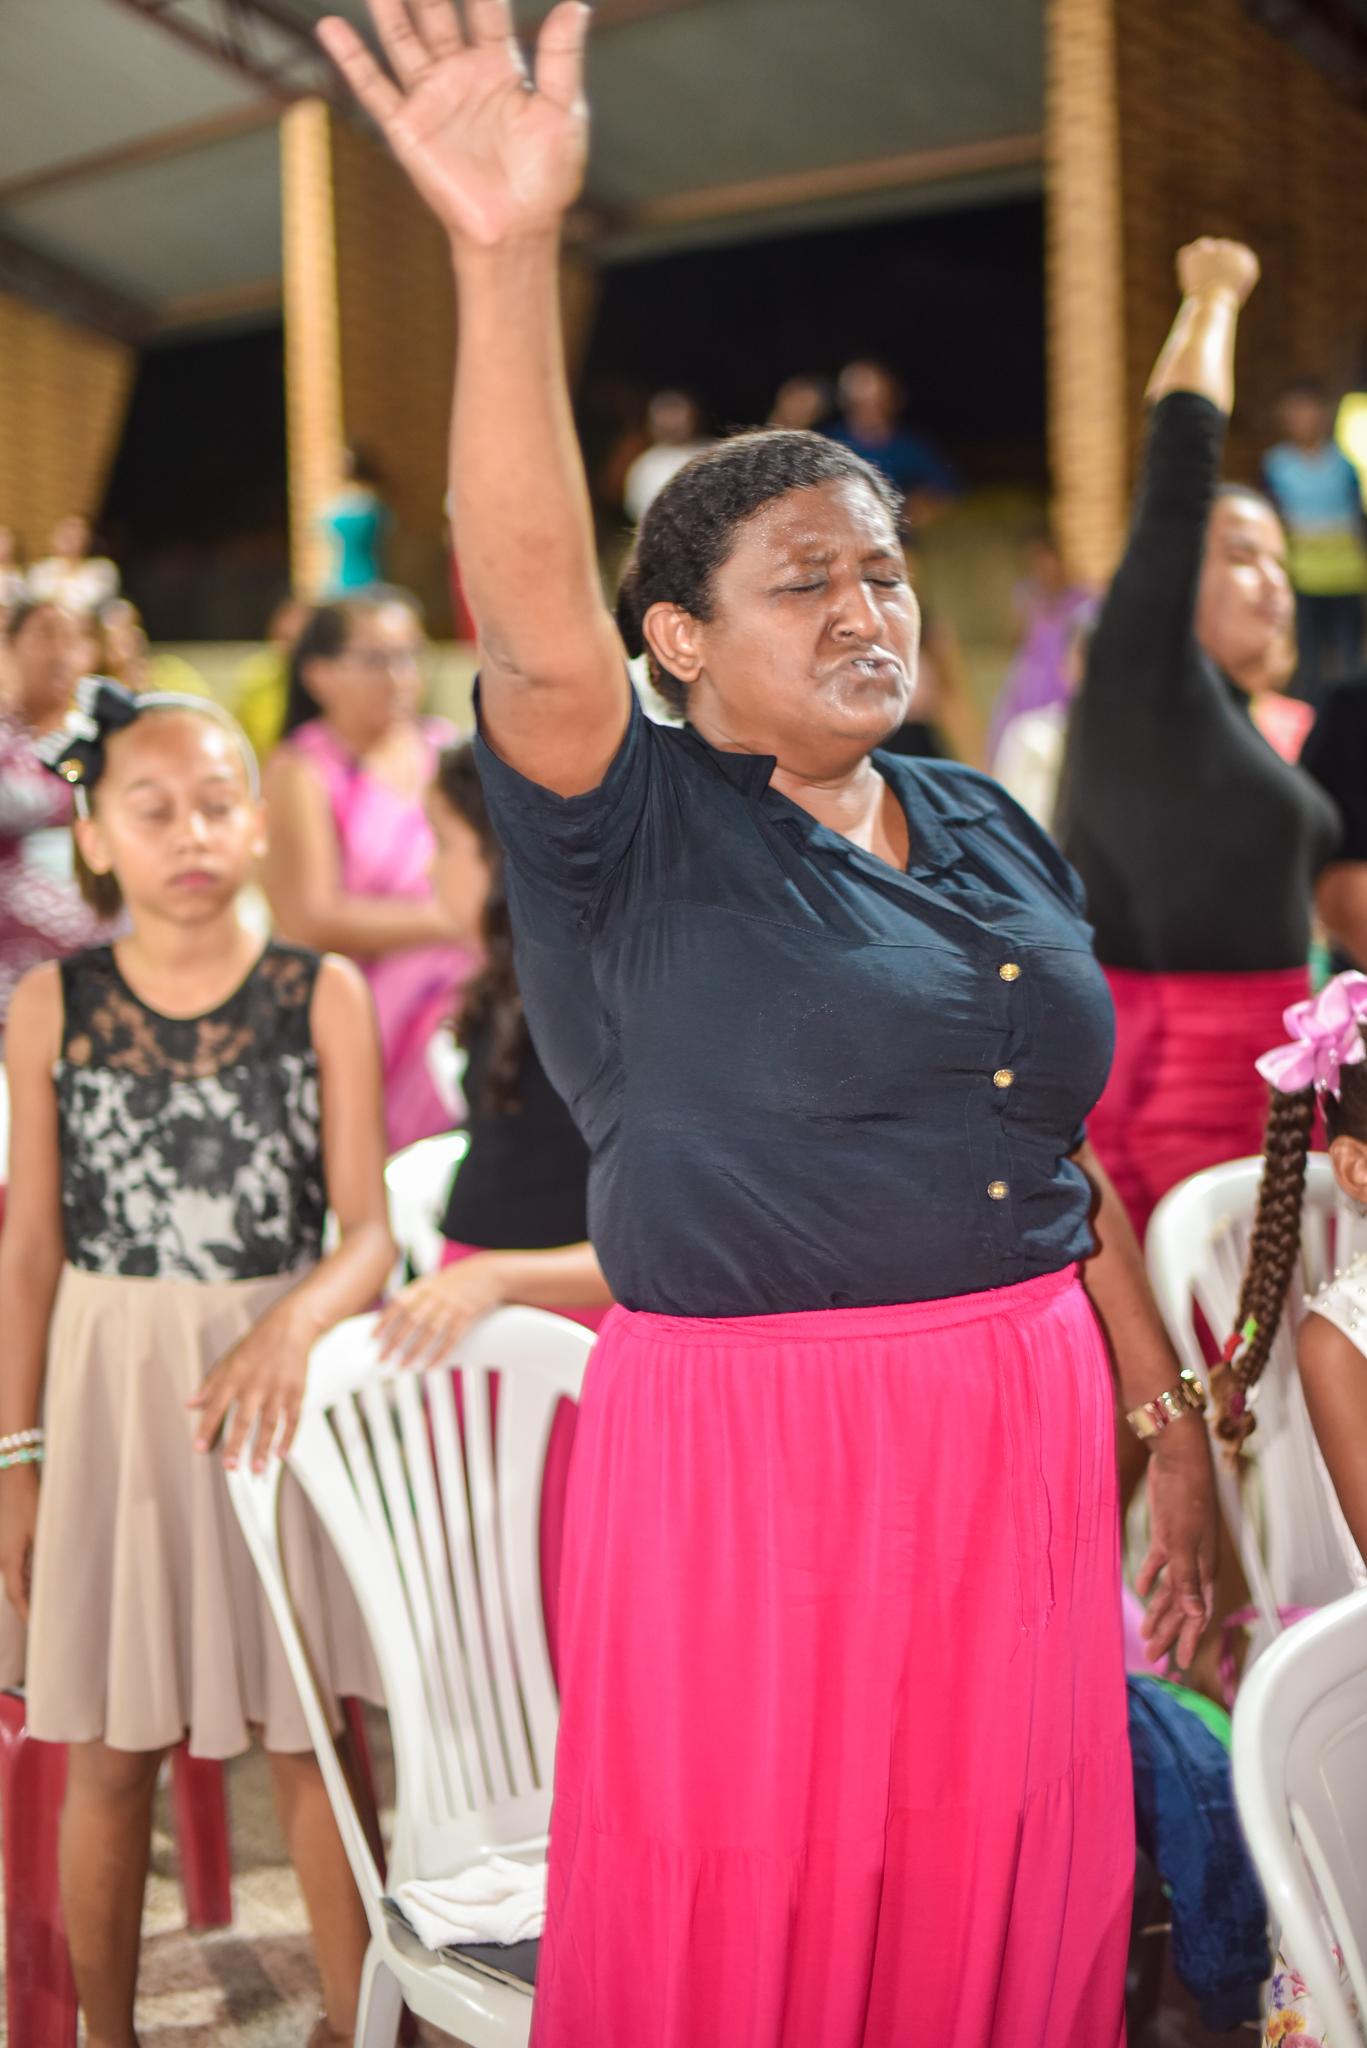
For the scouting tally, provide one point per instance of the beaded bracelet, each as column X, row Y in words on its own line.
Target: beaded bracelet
column 20, row 1438
column 31, row 1454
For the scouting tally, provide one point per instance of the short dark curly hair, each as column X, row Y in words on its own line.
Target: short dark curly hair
column 689, row 530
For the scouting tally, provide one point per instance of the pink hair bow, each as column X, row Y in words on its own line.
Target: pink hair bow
column 1326, row 1036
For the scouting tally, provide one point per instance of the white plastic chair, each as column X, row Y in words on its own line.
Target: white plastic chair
column 1300, row 1780
column 435, row 1516
column 418, row 1181
column 1195, row 1251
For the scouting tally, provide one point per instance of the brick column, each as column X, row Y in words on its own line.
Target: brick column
column 313, row 370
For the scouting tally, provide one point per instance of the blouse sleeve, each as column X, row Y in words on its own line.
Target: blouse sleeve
column 1143, row 651
column 562, row 851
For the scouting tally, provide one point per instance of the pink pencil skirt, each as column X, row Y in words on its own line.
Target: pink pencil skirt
column 843, row 1753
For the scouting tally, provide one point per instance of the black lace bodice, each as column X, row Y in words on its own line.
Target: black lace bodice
column 191, row 1147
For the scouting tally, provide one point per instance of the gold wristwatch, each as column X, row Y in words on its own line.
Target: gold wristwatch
column 1188, row 1397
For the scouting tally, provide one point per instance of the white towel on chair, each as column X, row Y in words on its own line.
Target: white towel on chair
column 498, row 1900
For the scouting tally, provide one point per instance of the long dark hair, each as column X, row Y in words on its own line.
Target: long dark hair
column 1276, row 1242
column 326, row 635
column 493, row 1001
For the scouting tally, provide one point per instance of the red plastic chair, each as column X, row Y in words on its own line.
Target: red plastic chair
column 40, row 1994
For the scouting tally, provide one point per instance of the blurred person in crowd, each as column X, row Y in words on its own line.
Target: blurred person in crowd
column 42, row 914
column 804, row 402
column 1030, row 748
column 12, row 579
column 262, row 684
column 127, row 656
column 1316, row 490
column 1198, row 845
column 676, row 436
column 1335, row 753
column 71, row 575
column 1049, row 606
column 355, row 523
column 516, row 1219
column 349, row 864
column 871, row 401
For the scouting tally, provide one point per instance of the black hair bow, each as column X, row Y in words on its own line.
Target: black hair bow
column 75, row 751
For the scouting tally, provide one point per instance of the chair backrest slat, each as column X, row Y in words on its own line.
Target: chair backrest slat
column 448, row 1431
column 479, row 1453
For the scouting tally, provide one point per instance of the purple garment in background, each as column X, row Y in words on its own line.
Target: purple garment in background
column 1038, row 675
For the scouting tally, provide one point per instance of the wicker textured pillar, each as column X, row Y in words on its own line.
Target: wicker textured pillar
column 313, row 374
column 63, row 397
column 1088, row 428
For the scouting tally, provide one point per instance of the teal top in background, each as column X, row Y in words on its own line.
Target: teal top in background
column 356, row 523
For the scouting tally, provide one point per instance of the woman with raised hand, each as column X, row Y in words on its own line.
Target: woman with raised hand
column 842, row 1753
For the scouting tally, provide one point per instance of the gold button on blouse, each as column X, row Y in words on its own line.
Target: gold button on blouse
column 997, row 1190
column 1009, row 971
column 1003, row 1077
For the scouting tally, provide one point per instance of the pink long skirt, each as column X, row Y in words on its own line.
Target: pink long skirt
column 843, row 1753
column 1184, row 1093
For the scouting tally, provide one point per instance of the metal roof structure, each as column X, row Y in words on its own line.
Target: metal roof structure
column 139, row 164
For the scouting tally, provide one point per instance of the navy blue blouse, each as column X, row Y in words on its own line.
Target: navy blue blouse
column 807, row 1079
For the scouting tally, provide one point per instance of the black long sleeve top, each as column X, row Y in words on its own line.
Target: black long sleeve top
column 1198, row 845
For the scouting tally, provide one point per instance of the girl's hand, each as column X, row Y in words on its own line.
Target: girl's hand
column 18, row 1520
column 1184, row 1525
column 263, row 1380
column 495, row 155
column 422, row 1324
column 1211, row 265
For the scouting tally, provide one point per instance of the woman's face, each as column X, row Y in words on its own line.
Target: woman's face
column 46, row 663
column 1244, row 605
column 810, row 653
column 173, row 817
column 375, row 683
column 460, row 872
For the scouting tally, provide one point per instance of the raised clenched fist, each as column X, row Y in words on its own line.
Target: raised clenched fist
column 1213, row 265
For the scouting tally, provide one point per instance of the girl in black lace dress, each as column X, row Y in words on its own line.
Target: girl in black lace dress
column 186, row 1108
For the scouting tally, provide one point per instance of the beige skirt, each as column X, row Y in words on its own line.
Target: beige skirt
column 147, row 1620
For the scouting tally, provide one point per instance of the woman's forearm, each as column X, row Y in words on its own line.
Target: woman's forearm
column 523, row 523
column 1116, row 1281
column 28, row 1289
column 1198, row 354
column 567, row 1276
column 345, row 1283
column 363, row 927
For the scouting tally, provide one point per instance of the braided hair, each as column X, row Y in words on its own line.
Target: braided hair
column 492, row 1000
column 1276, row 1242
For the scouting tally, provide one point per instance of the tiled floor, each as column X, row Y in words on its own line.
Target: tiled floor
column 251, row 1985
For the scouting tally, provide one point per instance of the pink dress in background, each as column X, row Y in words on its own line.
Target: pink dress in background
column 386, row 849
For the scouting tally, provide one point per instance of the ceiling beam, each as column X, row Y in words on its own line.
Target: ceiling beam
column 898, row 172
column 223, row 305
column 61, row 289
column 263, row 42
column 143, row 149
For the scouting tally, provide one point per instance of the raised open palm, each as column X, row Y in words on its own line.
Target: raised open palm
column 494, row 154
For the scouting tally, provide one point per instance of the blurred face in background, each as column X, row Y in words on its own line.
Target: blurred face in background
column 1306, row 419
column 801, row 402
column 1244, row 606
column 869, row 396
column 71, row 537
column 460, row 871
column 125, row 644
column 45, row 662
column 375, row 683
column 674, row 420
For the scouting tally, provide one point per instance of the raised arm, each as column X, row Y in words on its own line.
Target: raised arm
column 1146, row 625
column 499, row 158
